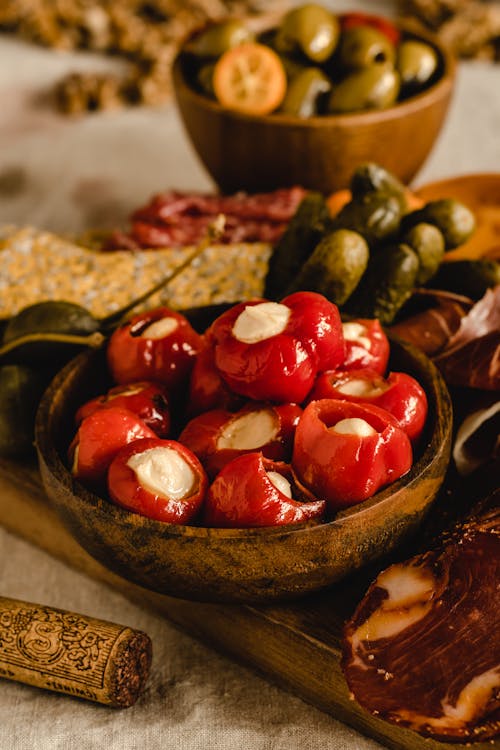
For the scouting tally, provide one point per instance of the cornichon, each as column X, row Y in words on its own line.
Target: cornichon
column 373, row 178
column 472, row 278
column 335, row 266
column 386, row 284
column 452, row 218
column 375, row 215
column 428, row 243
column 303, row 233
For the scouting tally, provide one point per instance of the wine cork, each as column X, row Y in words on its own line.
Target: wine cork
column 72, row 653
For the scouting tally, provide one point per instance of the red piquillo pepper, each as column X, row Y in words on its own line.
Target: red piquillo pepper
column 159, row 345
column 399, row 394
column 345, row 452
column 366, row 345
column 271, row 351
column 253, row 491
column 217, row 437
column 99, row 438
column 148, row 400
column 160, row 479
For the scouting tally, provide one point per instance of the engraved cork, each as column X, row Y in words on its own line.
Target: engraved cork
column 72, row 653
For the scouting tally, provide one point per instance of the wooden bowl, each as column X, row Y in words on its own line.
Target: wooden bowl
column 320, row 153
column 237, row 565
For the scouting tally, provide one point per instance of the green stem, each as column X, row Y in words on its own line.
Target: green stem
column 92, row 341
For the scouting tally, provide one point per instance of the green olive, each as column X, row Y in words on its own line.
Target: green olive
column 305, row 92
column 375, row 87
column 312, row 29
column 20, row 392
column 428, row 243
column 217, row 38
column 205, row 77
column 362, row 46
column 416, row 63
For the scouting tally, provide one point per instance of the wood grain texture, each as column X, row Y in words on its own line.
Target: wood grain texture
column 296, row 646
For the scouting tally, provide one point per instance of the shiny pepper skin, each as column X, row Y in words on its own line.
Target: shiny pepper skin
column 282, row 366
column 159, row 345
column 399, row 394
column 243, row 496
column 346, row 469
column 366, row 345
column 167, row 501
column 148, row 400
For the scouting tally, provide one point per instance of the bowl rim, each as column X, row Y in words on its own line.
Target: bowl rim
column 441, row 87
column 52, row 460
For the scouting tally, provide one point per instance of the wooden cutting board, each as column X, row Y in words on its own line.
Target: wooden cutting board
column 295, row 645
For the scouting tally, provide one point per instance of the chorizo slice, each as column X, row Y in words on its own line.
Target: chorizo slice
column 423, row 647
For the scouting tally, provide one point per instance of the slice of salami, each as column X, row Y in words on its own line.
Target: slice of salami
column 423, row 647
column 173, row 218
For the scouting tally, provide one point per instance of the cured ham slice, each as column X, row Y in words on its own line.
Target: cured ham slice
column 423, row 647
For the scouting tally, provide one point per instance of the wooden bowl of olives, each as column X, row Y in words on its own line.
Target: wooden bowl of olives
column 212, row 563
column 275, row 108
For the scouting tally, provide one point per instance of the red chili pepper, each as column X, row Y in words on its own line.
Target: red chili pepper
column 254, row 491
column 341, row 466
column 352, row 20
column 272, row 351
column 158, row 345
column 366, row 345
column 148, row 400
column 399, row 394
column 160, row 479
column 217, row 437
column 207, row 390
column 100, row 437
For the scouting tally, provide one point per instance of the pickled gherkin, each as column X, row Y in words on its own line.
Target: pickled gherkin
column 375, row 215
column 428, row 243
column 452, row 218
column 373, row 178
column 303, row 233
column 386, row 285
column 472, row 278
column 335, row 266
column 20, row 390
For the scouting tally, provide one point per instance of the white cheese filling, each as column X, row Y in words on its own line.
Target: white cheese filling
column 159, row 329
column 280, row 482
column 129, row 391
column 356, row 332
column 260, row 322
column 354, row 426
column 249, row 431
column 359, row 387
column 163, row 471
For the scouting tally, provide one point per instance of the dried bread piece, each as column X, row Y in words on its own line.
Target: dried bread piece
column 37, row 266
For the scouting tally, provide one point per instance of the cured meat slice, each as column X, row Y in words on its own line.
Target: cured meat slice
column 423, row 647
column 174, row 218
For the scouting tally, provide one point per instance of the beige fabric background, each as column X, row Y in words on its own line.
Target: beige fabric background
column 90, row 172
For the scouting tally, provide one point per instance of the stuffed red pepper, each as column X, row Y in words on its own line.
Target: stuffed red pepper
column 270, row 351
column 366, row 345
column 253, row 491
column 399, row 394
column 148, row 400
column 158, row 345
column 160, row 479
column 345, row 452
column 218, row 436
